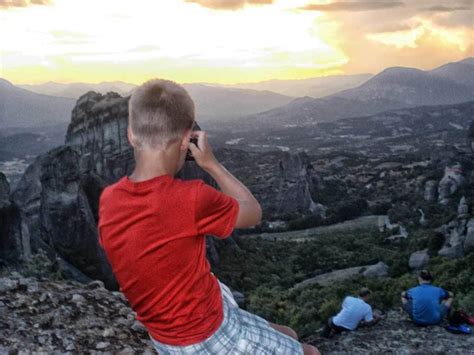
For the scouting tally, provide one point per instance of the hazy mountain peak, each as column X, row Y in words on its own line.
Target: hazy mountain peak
column 6, row 84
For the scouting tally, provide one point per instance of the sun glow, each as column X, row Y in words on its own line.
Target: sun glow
column 133, row 41
column 93, row 41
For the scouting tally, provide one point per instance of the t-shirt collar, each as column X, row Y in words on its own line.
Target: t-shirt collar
column 145, row 183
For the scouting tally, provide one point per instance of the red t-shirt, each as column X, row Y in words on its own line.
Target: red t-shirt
column 153, row 233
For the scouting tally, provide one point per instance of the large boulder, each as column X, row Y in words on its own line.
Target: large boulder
column 377, row 270
column 431, row 190
column 419, row 259
column 452, row 180
column 463, row 208
column 469, row 241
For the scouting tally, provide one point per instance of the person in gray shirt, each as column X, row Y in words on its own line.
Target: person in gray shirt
column 354, row 312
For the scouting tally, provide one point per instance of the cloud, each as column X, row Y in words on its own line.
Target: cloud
column 5, row 4
column 229, row 4
column 441, row 8
column 353, row 6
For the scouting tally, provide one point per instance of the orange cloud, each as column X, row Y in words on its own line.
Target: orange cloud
column 4, row 4
column 229, row 4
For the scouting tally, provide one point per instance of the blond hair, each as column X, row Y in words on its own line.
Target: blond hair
column 159, row 112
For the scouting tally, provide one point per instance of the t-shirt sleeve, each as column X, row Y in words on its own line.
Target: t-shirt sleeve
column 369, row 316
column 443, row 293
column 215, row 212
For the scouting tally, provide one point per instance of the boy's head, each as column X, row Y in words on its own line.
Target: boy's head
column 161, row 113
column 364, row 293
column 425, row 277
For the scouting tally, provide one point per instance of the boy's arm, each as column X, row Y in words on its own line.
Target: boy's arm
column 250, row 211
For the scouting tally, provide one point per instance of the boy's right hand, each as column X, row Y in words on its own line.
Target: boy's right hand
column 202, row 153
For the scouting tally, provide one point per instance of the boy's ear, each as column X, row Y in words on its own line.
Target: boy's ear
column 130, row 136
column 185, row 141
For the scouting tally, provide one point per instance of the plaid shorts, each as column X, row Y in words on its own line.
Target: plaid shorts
column 240, row 333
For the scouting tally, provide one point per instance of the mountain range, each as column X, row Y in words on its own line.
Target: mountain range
column 21, row 108
column 393, row 88
column 312, row 87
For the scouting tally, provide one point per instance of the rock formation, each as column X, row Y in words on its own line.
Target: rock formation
column 377, row 270
column 64, row 317
column 419, row 259
column 431, row 190
column 450, row 183
column 59, row 206
column 458, row 233
column 12, row 246
column 395, row 334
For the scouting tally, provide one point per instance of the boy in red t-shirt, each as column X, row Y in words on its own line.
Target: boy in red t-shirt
column 152, row 227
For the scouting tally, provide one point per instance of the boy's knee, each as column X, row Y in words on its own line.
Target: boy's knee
column 291, row 332
column 285, row 330
column 310, row 350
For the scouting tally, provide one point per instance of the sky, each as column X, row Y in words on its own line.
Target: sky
column 226, row 41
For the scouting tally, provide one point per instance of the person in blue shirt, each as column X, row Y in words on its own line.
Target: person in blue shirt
column 355, row 311
column 427, row 304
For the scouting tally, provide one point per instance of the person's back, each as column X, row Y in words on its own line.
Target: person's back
column 426, row 304
column 426, row 300
column 354, row 310
column 158, row 217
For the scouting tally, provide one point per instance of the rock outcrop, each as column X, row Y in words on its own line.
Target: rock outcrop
column 395, row 334
column 59, row 206
column 452, row 180
column 458, row 233
column 377, row 270
column 431, row 190
column 419, row 259
column 66, row 317
column 284, row 183
column 12, row 246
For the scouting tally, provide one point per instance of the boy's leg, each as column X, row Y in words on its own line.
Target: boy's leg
column 285, row 330
column 310, row 350
column 307, row 349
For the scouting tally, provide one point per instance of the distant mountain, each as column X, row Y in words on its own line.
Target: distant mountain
column 462, row 72
column 212, row 102
column 308, row 111
column 449, row 84
column 22, row 108
column 393, row 88
column 75, row 90
column 223, row 104
column 312, row 87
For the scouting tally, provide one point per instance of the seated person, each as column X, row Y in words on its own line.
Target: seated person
column 426, row 304
column 355, row 312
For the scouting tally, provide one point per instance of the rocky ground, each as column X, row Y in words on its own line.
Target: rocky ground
column 395, row 334
column 56, row 316
column 66, row 317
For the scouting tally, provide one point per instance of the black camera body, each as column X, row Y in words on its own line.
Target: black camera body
column 189, row 155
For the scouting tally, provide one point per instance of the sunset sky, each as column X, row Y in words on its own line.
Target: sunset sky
column 226, row 41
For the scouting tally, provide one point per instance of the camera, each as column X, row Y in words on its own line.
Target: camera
column 189, row 155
